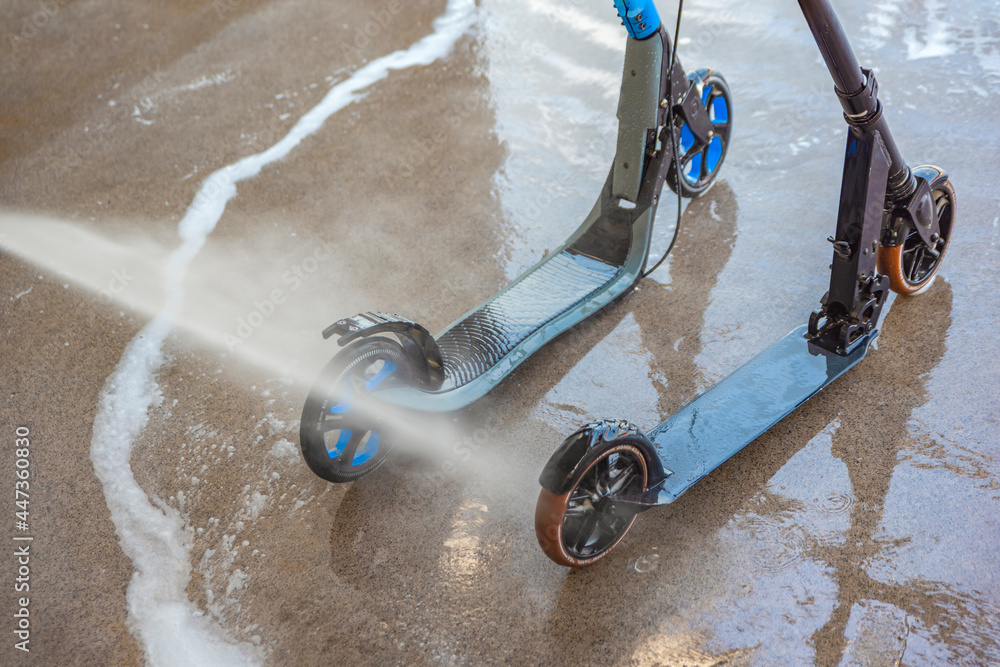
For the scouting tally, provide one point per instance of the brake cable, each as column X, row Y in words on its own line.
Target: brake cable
column 676, row 145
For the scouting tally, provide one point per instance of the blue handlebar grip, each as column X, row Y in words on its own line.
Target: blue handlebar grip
column 639, row 17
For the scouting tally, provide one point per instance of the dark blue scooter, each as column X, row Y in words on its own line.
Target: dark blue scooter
column 893, row 228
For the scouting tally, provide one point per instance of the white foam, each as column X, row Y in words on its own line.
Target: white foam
column 285, row 449
column 256, row 503
column 157, row 540
column 213, row 80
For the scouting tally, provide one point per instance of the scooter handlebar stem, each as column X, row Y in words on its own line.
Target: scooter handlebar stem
column 639, row 17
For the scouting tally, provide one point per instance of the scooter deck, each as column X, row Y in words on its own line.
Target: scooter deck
column 706, row 432
column 596, row 266
column 478, row 342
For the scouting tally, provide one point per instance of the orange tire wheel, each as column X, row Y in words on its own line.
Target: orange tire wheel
column 581, row 526
column 912, row 265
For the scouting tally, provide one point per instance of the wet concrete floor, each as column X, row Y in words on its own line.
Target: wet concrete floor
column 863, row 529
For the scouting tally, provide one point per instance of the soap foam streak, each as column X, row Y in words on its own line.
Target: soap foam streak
column 157, row 540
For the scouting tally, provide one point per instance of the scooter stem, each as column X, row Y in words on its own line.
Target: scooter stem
column 833, row 44
column 638, row 113
column 858, row 92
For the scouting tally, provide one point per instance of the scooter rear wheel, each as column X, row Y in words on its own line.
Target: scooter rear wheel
column 581, row 526
column 700, row 164
column 341, row 434
column 910, row 267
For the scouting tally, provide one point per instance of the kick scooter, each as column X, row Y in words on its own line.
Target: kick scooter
column 893, row 228
column 672, row 127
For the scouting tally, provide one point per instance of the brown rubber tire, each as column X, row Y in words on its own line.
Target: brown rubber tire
column 890, row 259
column 551, row 509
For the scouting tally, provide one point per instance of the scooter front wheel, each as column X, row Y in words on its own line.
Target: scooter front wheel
column 912, row 265
column 700, row 162
column 581, row 526
column 343, row 433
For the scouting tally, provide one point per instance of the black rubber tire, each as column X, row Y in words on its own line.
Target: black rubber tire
column 558, row 534
column 320, row 421
column 909, row 270
column 715, row 88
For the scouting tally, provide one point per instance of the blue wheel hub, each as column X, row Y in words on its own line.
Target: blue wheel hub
column 698, row 164
column 358, row 443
